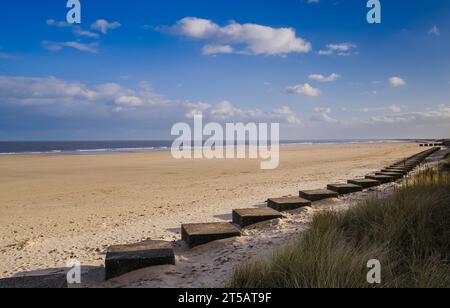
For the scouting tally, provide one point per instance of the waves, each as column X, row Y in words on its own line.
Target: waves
column 105, row 147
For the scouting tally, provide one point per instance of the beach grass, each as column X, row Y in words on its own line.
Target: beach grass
column 445, row 165
column 408, row 232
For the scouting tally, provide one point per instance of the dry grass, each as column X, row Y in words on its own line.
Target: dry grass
column 409, row 233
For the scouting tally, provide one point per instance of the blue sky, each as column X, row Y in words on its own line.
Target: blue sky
column 134, row 68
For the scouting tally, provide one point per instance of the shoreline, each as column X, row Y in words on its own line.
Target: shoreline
column 54, row 208
column 100, row 151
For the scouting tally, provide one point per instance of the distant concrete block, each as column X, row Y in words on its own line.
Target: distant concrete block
column 365, row 183
column 123, row 259
column 343, row 189
column 393, row 174
column 405, row 166
column 396, row 170
column 199, row 234
column 53, row 281
column 287, row 204
column 248, row 217
column 383, row 179
column 317, row 195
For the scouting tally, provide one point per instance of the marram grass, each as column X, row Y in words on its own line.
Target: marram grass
column 408, row 232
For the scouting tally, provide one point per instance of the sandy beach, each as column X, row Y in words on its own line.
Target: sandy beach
column 53, row 208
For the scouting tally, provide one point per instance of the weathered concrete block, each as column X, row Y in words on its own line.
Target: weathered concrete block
column 199, row 234
column 405, row 166
column 401, row 167
column 248, row 217
column 383, row 179
column 365, row 183
column 343, row 189
column 393, row 174
column 396, row 170
column 317, row 195
column 53, row 281
column 288, row 203
column 123, row 259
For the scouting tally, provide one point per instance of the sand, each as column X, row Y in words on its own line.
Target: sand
column 53, row 208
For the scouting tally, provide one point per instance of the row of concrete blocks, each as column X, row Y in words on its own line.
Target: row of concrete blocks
column 431, row 144
column 123, row 259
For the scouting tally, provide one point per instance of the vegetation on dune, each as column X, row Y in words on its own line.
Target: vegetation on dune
column 445, row 166
column 408, row 232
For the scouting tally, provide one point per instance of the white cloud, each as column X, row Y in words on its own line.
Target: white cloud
column 434, row 31
column 58, row 97
column 439, row 115
column 255, row 39
column 226, row 111
column 396, row 82
column 304, row 89
column 129, row 101
column 341, row 49
column 392, row 108
column 217, row 49
column 313, row 1
column 322, row 78
column 104, row 26
column 196, row 28
column 58, row 46
column 323, row 115
column 77, row 30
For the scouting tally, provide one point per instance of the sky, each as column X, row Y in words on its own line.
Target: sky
column 132, row 69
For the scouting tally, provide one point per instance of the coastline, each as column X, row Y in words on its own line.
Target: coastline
column 111, row 147
column 58, row 207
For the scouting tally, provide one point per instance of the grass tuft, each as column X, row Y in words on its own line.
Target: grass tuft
column 409, row 233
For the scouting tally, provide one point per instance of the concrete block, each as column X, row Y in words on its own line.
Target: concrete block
column 248, row 217
column 393, row 174
column 317, row 195
column 199, row 234
column 396, row 170
column 123, row 259
column 365, row 183
column 288, row 203
column 383, row 179
column 343, row 189
column 52, row 281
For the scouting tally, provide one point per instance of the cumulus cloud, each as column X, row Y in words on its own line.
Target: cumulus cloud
column 226, row 111
column 303, row 89
column 255, row 39
column 323, row 115
column 341, row 49
column 322, row 78
column 58, row 97
column 396, row 82
column 104, row 26
column 441, row 114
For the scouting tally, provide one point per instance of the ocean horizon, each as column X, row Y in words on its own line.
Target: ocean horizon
column 107, row 146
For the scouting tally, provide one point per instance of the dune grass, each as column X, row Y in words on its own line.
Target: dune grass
column 445, row 166
column 409, row 233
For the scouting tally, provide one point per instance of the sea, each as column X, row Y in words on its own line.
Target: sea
column 98, row 147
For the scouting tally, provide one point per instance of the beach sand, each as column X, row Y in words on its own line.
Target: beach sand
column 53, row 208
